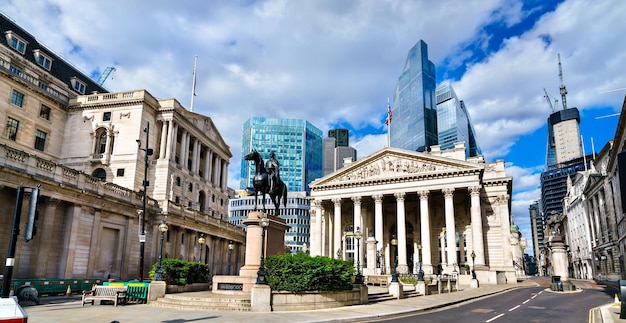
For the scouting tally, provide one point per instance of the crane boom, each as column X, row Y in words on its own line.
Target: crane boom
column 103, row 77
column 547, row 96
column 562, row 88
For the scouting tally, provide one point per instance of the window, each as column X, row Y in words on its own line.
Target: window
column 102, row 143
column 40, row 140
column 17, row 98
column 100, row 174
column 12, row 128
column 44, row 112
column 120, row 172
column 42, row 59
column 78, row 85
column 15, row 42
column 106, row 116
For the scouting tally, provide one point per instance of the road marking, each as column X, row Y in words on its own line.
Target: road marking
column 533, row 296
column 494, row 318
column 526, row 301
column 514, row 308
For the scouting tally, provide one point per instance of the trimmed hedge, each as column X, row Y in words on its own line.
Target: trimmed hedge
column 301, row 272
column 180, row 272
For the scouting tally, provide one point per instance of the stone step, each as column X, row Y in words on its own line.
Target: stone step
column 379, row 297
column 411, row 293
column 212, row 303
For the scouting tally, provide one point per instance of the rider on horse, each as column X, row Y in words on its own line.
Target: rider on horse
column 272, row 168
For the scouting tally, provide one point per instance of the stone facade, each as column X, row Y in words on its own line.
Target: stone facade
column 440, row 207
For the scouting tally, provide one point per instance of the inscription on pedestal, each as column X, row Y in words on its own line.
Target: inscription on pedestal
column 230, row 286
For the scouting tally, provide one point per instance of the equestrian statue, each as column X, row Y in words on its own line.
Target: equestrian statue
column 267, row 180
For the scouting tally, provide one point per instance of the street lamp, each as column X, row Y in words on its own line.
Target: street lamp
column 394, row 275
column 230, row 251
column 201, row 241
column 260, row 277
column 142, row 234
column 473, row 265
column 420, row 272
column 359, row 278
column 158, row 274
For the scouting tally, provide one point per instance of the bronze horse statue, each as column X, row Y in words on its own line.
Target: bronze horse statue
column 261, row 183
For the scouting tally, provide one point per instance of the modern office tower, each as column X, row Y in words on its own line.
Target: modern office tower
column 537, row 225
column 564, row 142
column 554, row 184
column 334, row 155
column 414, row 124
column 453, row 121
column 296, row 143
column 341, row 135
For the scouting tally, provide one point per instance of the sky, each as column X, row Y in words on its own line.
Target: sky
column 336, row 63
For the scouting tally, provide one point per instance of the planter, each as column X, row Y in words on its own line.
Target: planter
column 196, row 287
column 286, row 301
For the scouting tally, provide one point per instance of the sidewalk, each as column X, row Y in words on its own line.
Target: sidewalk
column 70, row 310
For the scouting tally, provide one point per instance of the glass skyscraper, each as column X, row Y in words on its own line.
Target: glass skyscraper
column 296, row 143
column 453, row 122
column 414, row 123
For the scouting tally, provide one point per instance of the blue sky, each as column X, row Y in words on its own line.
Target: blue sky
column 335, row 63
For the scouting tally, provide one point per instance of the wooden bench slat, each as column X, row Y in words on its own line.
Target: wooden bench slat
column 109, row 293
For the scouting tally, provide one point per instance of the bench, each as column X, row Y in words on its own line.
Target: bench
column 106, row 293
column 381, row 280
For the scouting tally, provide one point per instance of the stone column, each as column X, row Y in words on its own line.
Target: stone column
column 427, row 262
column 196, row 153
column 478, row 246
column 45, row 241
column 358, row 224
column 172, row 141
column 401, row 227
column 378, row 219
column 207, row 164
column 448, row 194
column 506, row 229
column 164, row 138
column 337, row 223
column 316, row 245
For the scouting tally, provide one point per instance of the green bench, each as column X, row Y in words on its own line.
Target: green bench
column 136, row 292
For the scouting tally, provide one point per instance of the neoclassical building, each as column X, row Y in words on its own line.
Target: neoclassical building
column 439, row 206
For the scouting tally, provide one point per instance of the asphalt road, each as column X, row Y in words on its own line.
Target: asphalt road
column 533, row 304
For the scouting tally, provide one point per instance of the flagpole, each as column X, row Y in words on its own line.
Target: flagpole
column 388, row 123
column 193, row 86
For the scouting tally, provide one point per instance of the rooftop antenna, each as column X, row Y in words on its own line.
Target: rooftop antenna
column 562, row 88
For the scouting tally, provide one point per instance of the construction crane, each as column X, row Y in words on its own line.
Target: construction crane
column 103, row 77
column 548, row 96
column 562, row 88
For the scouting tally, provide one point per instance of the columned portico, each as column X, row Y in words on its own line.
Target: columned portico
column 414, row 202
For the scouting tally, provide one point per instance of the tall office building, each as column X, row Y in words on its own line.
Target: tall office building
column 537, row 225
column 453, row 122
column 414, row 124
column 296, row 143
column 564, row 142
column 335, row 154
column 341, row 135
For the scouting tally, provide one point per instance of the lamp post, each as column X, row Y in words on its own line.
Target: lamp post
column 394, row 275
column 230, row 251
column 420, row 271
column 260, row 277
column 201, row 241
column 473, row 265
column 158, row 274
column 142, row 234
column 358, row 279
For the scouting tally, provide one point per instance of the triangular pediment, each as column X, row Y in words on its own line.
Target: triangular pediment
column 390, row 163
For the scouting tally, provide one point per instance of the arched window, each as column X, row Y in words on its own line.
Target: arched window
column 100, row 174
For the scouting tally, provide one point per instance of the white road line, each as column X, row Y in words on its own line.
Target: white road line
column 533, row 296
column 514, row 308
column 526, row 301
column 497, row 317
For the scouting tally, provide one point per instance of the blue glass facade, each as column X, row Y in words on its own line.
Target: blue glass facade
column 296, row 143
column 414, row 123
column 453, row 122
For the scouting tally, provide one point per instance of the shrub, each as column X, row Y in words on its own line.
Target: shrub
column 180, row 272
column 408, row 280
column 301, row 272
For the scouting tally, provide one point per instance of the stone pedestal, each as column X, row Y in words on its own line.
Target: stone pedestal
column 474, row 283
column 370, row 266
column 260, row 298
column 156, row 290
column 420, row 287
column 559, row 258
column 397, row 290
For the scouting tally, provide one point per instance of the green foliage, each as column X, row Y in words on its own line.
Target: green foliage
column 301, row 272
column 408, row 280
column 180, row 272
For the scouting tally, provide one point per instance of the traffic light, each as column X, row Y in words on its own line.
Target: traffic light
column 33, row 214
